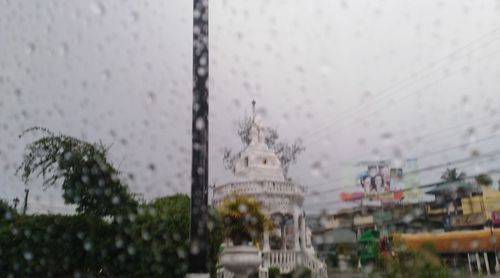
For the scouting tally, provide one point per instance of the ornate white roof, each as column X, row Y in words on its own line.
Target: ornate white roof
column 257, row 161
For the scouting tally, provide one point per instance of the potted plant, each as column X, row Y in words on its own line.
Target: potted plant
column 243, row 223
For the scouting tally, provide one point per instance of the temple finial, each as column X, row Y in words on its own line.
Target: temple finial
column 253, row 109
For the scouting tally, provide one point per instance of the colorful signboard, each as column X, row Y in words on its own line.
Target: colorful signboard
column 385, row 181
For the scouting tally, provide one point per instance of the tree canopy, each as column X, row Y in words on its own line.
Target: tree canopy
column 484, row 179
column 87, row 178
column 453, row 175
column 150, row 239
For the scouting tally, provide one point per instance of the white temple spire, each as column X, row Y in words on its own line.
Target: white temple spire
column 253, row 110
column 257, row 161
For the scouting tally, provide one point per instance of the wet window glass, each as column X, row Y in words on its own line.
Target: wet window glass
column 249, row 138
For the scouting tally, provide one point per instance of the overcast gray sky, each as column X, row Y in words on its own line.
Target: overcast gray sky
column 356, row 80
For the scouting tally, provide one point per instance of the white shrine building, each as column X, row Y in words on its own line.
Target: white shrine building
column 258, row 173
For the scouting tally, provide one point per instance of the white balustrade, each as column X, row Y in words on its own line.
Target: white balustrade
column 317, row 267
column 258, row 187
column 287, row 261
column 284, row 260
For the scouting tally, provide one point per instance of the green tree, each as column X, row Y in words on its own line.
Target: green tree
column 160, row 236
column 150, row 243
column 453, row 175
column 87, row 178
column 287, row 153
column 405, row 262
column 484, row 180
column 7, row 212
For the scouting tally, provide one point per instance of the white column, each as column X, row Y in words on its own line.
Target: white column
column 283, row 236
column 487, row 263
column 266, row 247
column 470, row 266
column 303, row 232
column 497, row 264
column 296, row 229
column 478, row 262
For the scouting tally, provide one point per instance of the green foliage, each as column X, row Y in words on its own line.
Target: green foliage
column 484, row 180
column 453, row 175
column 7, row 212
column 301, row 272
column 274, row 272
column 151, row 243
column 160, row 233
column 88, row 179
column 408, row 263
column 243, row 219
column 215, row 240
column 54, row 246
column 147, row 240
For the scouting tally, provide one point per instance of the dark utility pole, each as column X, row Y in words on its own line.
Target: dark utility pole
column 25, row 207
column 16, row 201
column 199, row 167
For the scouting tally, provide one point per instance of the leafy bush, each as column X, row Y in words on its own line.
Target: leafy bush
column 301, row 272
column 151, row 243
column 274, row 272
column 243, row 219
column 7, row 212
column 160, row 237
column 215, row 240
column 409, row 263
column 54, row 246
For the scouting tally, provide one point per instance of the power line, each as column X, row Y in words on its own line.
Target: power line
column 351, row 186
column 427, row 155
column 493, row 171
column 460, row 146
column 445, row 129
column 437, row 81
column 388, row 89
column 425, row 169
column 427, row 86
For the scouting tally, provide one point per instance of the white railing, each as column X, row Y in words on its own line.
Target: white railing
column 256, row 187
column 317, row 267
column 287, row 261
